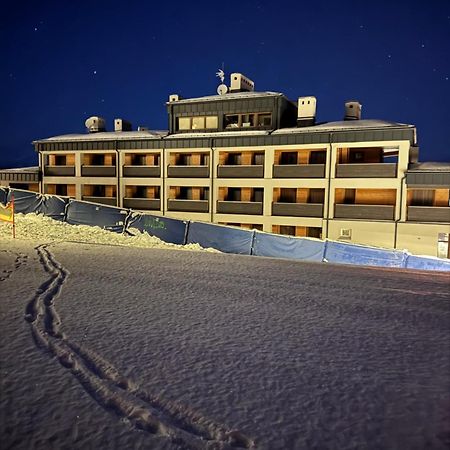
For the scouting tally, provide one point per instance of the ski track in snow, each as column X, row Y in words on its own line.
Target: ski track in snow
column 21, row 258
column 113, row 391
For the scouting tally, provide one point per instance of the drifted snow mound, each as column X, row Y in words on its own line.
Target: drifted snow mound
column 44, row 229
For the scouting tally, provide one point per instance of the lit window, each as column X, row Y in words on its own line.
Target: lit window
column 184, row 123
column 198, row 123
column 212, row 122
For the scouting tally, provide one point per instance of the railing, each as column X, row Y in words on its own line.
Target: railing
column 98, row 171
column 429, row 213
column 142, row 203
column 142, row 171
column 59, row 171
column 228, row 171
column 299, row 171
column 188, row 205
column 374, row 212
column 368, row 170
column 111, row 201
column 234, row 207
column 297, row 209
column 188, row 171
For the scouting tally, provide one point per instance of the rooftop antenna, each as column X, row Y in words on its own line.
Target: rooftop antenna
column 222, row 89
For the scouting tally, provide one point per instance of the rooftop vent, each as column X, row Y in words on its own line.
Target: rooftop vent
column 240, row 83
column 352, row 110
column 174, row 98
column 306, row 115
column 95, row 124
column 143, row 129
column 122, row 125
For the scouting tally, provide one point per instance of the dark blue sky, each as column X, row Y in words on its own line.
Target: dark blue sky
column 65, row 61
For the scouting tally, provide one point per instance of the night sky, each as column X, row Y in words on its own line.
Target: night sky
column 65, row 61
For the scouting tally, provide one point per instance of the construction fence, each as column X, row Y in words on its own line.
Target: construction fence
column 224, row 238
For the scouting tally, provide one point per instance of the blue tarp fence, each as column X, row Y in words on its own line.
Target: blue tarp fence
column 32, row 202
column 86, row 213
column 266, row 244
column 223, row 238
column 164, row 228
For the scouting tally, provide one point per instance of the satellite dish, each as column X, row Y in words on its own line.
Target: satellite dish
column 222, row 89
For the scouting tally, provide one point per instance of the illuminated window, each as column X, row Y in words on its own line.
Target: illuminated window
column 184, row 123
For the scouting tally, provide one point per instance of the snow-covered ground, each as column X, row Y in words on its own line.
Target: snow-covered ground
column 117, row 347
column 43, row 228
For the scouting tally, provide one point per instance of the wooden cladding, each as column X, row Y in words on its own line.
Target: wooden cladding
column 428, row 197
column 141, row 159
column 151, row 192
column 99, row 159
column 366, row 196
column 300, row 157
column 61, row 160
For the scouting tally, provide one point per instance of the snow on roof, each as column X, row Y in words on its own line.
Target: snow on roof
column 106, row 135
column 230, row 96
column 219, row 134
column 429, row 167
column 344, row 125
column 33, row 169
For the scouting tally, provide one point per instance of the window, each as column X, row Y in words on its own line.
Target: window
column 98, row 190
column 264, row 120
column 316, row 196
column 288, row 195
column 184, row 123
column 198, row 123
column 248, row 120
column 287, row 229
column 289, row 158
column 234, row 195
column 234, row 159
column 422, row 197
column 60, row 160
column 184, row 159
column 258, row 195
column 232, row 121
column 212, row 122
column 318, row 157
column 258, row 159
column 61, row 189
column 185, row 193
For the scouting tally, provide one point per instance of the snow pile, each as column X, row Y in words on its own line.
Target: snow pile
column 44, row 229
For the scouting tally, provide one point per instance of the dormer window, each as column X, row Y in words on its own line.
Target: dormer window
column 250, row 120
column 198, row 123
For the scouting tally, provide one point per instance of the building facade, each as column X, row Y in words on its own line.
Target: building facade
column 257, row 160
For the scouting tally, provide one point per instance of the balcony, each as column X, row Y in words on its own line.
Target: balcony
column 236, row 207
column 229, row 171
column 188, row 171
column 153, row 204
column 371, row 212
column 59, row 171
column 299, row 171
column 142, row 171
column 98, row 171
column 368, row 170
column 429, row 214
column 111, row 201
column 297, row 209
column 201, row 206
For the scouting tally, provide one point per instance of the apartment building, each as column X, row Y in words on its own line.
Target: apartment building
column 258, row 160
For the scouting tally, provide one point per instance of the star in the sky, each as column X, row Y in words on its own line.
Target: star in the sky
column 95, row 72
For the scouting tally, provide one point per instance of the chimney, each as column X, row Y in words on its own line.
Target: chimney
column 122, row 125
column 240, row 83
column 306, row 115
column 352, row 110
column 174, row 98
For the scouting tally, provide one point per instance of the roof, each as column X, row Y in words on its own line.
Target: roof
column 34, row 169
column 105, row 135
column 229, row 96
column 429, row 167
column 345, row 125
